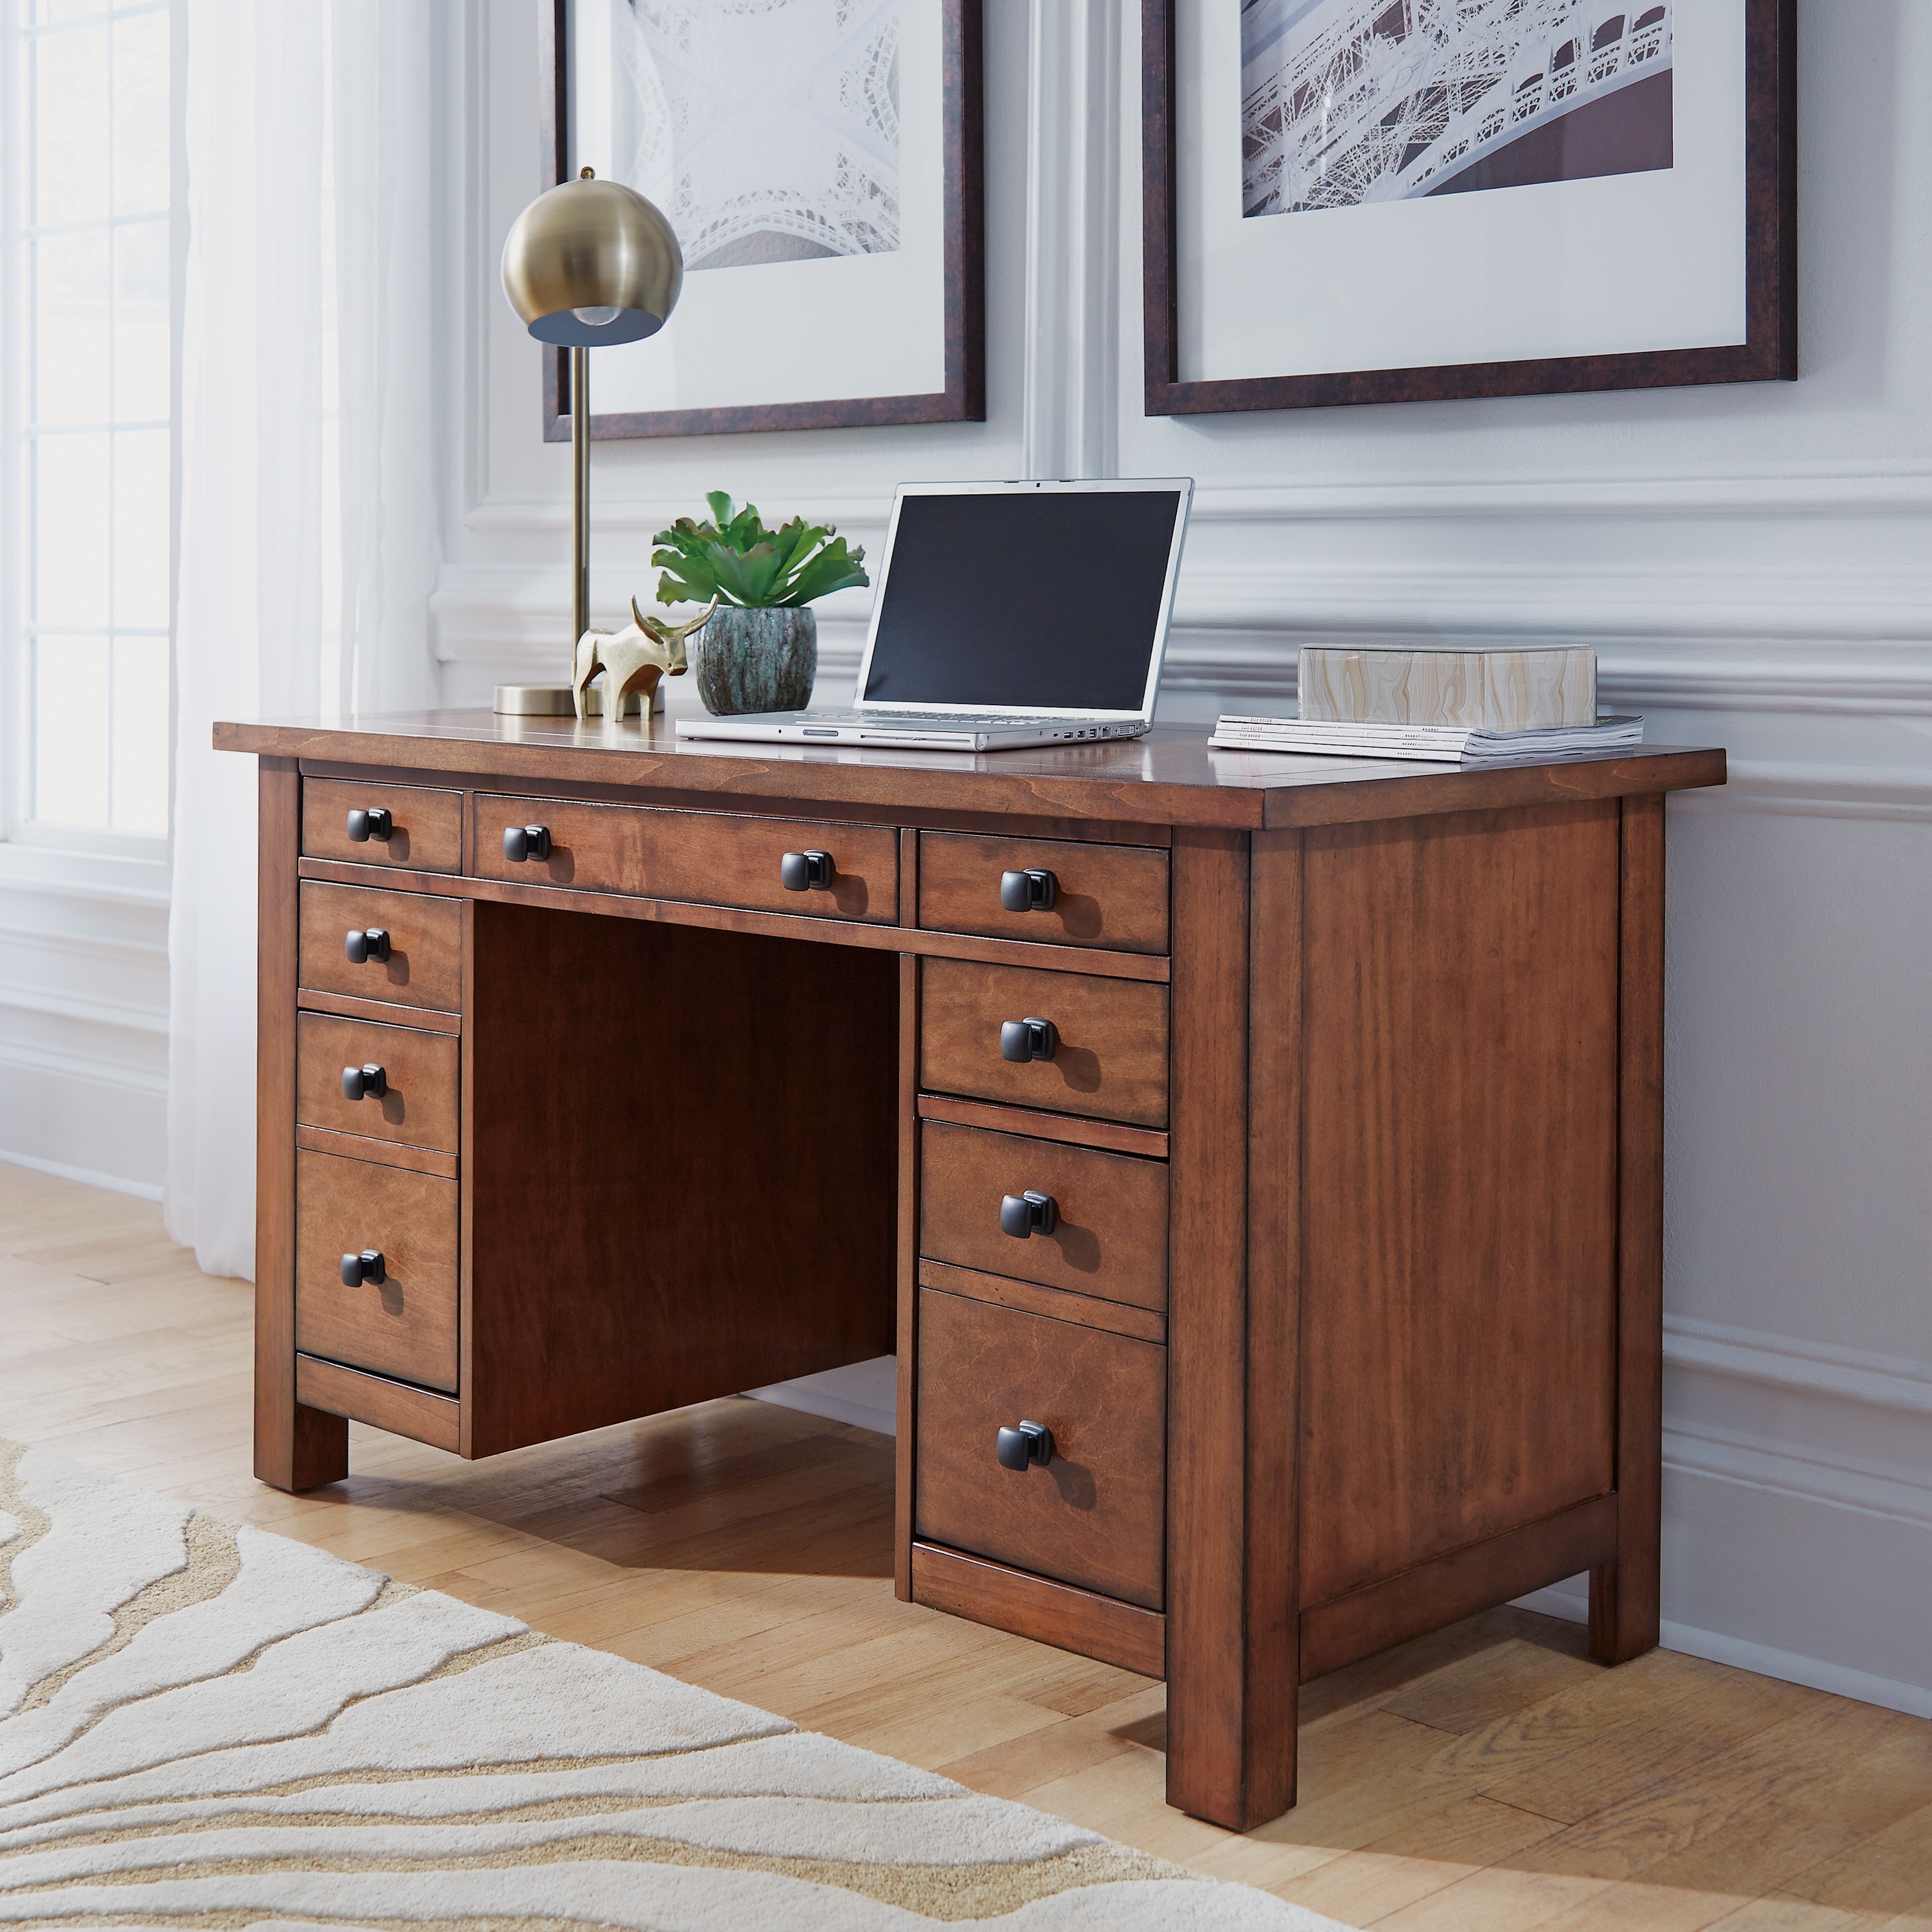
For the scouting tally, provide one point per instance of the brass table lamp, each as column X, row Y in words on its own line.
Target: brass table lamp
column 589, row 262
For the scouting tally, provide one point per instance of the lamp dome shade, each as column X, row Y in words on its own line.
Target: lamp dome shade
column 591, row 262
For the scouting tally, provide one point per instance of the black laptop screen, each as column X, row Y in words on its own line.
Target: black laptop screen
column 1044, row 599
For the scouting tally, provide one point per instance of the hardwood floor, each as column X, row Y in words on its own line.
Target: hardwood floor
column 1487, row 1779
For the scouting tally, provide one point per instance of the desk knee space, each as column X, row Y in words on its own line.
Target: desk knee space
column 1285, row 1154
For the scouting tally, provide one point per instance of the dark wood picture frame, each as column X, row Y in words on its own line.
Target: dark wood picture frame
column 963, row 398
column 1769, row 352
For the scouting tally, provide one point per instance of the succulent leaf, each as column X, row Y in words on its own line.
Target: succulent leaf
column 734, row 558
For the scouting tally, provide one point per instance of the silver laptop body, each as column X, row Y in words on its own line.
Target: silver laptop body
column 1007, row 614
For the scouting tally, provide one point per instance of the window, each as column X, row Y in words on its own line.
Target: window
column 88, row 179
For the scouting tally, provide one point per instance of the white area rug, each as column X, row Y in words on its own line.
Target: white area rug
column 205, row 1725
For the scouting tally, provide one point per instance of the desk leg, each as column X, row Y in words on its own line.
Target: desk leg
column 296, row 1447
column 1232, row 1328
column 1623, row 1595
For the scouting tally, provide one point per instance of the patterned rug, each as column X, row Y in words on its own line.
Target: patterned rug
column 208, row 1726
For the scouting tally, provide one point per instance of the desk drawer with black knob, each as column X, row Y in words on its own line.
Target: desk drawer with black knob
column 796, row 865
column 376, row 1268
column 1041, row 1444
column 359, row 822
column 1068, row 1043
column 1053, row 892
column 386, row 1083
column 1067, row 1217
column 404, row 948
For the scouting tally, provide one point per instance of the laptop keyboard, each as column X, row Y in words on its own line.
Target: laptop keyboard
column 952, row 721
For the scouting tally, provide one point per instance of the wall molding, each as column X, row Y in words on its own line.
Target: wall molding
column 1863, row 492
column 1570, row 1601
column 125, row 1015
column 72, row 1062
column 1732, row 638
column 1822, row 790
column 117, row 1183
column 863, row 1394
column 1784, row 1362
column 144, row 954
column 1069, row 386
column 1815, row 603
column 84, row 1015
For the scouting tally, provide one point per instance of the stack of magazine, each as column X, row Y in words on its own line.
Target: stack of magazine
column 1451, row 704
column 1443, row 744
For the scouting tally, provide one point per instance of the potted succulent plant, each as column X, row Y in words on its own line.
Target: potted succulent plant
column 760, row 651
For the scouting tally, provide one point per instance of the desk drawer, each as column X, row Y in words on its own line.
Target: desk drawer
column 405, row 1325
column 1110, row 1060
column 705, row 858
column 1105, row 896
column 425, row 965
column 424, row 832
column 1094, row 1516
column 1109, row 1237
column 421, row 1072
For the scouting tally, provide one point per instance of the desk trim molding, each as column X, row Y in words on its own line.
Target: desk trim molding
column 1069, row 1619
column 1114, row 784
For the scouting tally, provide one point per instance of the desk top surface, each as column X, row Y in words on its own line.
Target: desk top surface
column 1171, row 776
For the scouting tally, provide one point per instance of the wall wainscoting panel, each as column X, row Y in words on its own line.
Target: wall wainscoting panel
column 83, row 1021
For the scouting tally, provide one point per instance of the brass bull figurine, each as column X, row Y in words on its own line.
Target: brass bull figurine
column 633, row 659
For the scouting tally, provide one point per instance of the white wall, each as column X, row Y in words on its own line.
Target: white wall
column 1753, row 565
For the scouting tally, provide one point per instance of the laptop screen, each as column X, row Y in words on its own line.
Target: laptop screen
column 1028, row 599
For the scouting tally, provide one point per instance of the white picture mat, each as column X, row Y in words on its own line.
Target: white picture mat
column 842, row 326
column 1617, row 264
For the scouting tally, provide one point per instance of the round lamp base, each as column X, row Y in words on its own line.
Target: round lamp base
column 554, row 700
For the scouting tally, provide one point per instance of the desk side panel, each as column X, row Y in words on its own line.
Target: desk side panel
column 1459, row 1295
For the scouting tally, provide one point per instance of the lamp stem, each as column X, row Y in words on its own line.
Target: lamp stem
column 580, row 493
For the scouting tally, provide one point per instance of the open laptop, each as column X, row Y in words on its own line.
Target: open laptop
column 1007, row 614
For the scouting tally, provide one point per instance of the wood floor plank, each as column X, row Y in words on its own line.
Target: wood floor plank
column 1783, row 1913
column 1758, row 1815
column 1485, row 1778
column 1888, row 1874
column 1434, row 1852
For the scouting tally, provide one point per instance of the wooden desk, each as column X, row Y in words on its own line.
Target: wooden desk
column 1348, row 1323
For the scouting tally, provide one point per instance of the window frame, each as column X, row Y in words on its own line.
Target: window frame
column 111, row 854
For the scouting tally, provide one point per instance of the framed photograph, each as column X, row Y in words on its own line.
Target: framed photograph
column 820, row 161
column 1374, row 201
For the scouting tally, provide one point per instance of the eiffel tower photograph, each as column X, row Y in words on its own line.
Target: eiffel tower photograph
column 1344, row 102
column 768, row 130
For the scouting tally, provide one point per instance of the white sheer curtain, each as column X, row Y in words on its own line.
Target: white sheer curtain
column 308, row 534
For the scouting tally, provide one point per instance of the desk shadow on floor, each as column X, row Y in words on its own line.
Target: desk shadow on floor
column 733, row 1485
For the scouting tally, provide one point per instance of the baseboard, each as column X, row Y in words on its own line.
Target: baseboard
column 865, row 1394
column 146, row 1190
column 84, row 1120
column 1571, row 1601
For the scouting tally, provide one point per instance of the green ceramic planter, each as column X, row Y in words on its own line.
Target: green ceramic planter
column 758, row 661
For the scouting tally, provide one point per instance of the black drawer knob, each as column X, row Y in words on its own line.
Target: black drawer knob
column 373, row 943
column 367, row 1266
column 371, row 822
column 1021, row 1215
column 806, row 871
column 365, row 1083
column 525, row 841
column 1030, row 1446
column 1028, row 1040
column 1033, row 890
